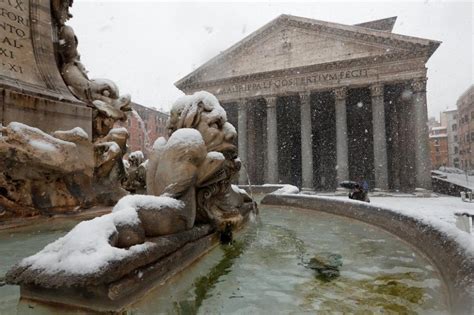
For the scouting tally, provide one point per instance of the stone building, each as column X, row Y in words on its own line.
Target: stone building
column 144, row 125
column 465, row 106
column 439, row 146
column 449, row 118
column 316, row 103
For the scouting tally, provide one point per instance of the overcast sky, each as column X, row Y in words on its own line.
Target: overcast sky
column 146, row 46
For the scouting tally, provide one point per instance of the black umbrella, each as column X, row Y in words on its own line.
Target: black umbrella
column 348, row 184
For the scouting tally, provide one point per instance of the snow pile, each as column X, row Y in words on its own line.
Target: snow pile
column 229, row 128
column 160, row 142
column 190, row 102
column 213, row 155
column 113, row 147
column 238, row 190
column 41, row 145
column 72, row 135
column 286, row 190
column 41, row 140
column 119, row 130
column 78, row 131
column 184, row 137
column 146, row 202
column 138, row 155
column 126, row 164
column 86, row 248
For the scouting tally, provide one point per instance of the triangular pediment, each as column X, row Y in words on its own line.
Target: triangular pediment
column 292, row 42
column 288, row 47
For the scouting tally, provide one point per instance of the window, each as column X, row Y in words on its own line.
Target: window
column 456, row 150
column 454, row 127
column 455, row 138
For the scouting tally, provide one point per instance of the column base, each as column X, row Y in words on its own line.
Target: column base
column 380, row 192
column 424, row 193
column 307, row 191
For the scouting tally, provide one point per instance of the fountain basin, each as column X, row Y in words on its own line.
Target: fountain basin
column 455, row 265
column 263, row 272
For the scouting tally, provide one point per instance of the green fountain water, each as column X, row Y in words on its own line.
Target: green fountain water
column 264, row 271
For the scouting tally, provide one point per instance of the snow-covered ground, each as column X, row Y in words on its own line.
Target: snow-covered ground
column 438, row 212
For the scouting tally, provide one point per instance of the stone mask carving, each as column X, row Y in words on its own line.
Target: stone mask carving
column 213, row 165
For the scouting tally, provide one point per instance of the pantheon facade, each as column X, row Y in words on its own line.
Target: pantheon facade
column 316, row 103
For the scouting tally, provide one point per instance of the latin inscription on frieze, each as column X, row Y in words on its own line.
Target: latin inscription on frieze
column 17, row 60
column 295, row 81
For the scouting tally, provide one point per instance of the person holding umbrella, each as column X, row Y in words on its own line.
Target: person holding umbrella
column 359, row 190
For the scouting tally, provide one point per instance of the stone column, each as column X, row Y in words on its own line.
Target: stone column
column 306, row 141
column 380, row 142
column 242, row 138
column 342, row 150
column 272, row 141
column 422, row 152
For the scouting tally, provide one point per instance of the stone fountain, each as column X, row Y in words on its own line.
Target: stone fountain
column 59, row 152
column 54, row 164
column 108, row 263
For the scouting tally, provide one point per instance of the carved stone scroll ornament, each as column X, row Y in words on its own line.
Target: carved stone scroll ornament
column 340, row 93
column 419, row 85
column 376, row 90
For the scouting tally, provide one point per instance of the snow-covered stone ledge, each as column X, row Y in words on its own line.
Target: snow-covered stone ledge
column 449, row 249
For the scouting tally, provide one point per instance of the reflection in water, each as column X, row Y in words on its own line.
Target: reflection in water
column 203, row 285
column 264, row 271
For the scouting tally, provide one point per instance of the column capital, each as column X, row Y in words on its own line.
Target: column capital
column 419, row 85
column 241, row 102
column 271, row 101
column 305, row 96
column 376, row 89
column 340, row 93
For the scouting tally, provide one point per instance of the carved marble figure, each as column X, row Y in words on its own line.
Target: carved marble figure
column 209, row 180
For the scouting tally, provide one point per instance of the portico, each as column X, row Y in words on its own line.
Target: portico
column 320, row 102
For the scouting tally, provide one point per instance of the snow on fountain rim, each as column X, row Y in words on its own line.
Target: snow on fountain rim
column 438, row 212
column 286, row 190
column 86, row 249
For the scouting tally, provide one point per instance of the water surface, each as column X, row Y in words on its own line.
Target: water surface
column 264, row 271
